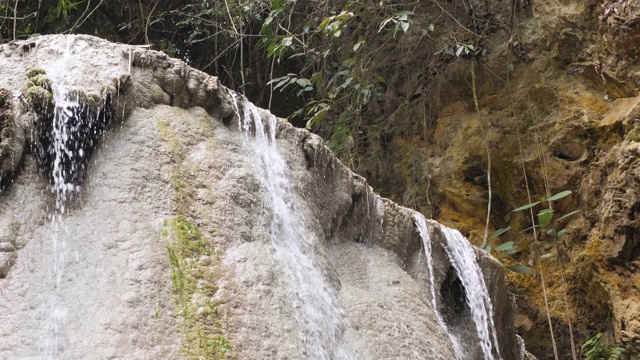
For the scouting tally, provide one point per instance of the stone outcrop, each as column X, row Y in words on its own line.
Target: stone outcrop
column 171, row 170
column 11, row 137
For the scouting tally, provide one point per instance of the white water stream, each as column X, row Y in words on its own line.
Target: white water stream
column 67, row 151
column 65, row 109
column 314, row 302
column 463, row 259
column 421, row 224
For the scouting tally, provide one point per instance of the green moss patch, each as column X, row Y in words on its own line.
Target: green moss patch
column 194, row 286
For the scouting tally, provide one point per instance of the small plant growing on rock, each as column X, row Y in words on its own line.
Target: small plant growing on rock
column 595, row 349
column 504, row 250
column 545, row 222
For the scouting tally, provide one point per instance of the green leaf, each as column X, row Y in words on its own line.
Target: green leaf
column 562, row 233
column 349, row 61
column 404, row 25
column 324, row 24
column 404, row 13
column 278, row 5
column 431, row 27
column 499, row 232
column 358, row 45
column 545, row 216
column 303, row 82
column 488, row 248
column 459, row 50
column 520, row 269
column 559, row 195
column 551, row 232
column 509, row 252
column 316, row 118
column 525, row 207
column 506, row 246
column 567, row 215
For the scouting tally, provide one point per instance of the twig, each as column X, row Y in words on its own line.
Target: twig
column 88, row 16
column 486, row 146
column 545, row 176
column 273, row 61
column 146, row 26
column 454, row 19
column 226, row 4
column 15, row 19
column 18, row 17
column 535, row 232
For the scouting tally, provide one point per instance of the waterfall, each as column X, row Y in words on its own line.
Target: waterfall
column 64, row 109
column 313, row 301
column 463, row 259
column 423, row 231
column 65, row 146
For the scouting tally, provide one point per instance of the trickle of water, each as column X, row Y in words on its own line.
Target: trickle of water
column 313, row 301
column 66, row 150
column 423, row 231
column 463, row 259
column 64, row 155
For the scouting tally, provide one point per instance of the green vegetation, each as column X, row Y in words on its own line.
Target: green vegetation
column 193, row 287
column 179, row 183
column 596, row 349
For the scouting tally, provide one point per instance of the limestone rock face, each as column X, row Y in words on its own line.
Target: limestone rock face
column 94, row 278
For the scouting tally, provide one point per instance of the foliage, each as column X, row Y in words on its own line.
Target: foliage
column 330, row 51
column 504, row 250
column 545, row 221
column 596, row 349
column 553, row 229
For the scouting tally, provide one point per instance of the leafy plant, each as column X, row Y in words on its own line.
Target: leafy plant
column 545, row 221
column 596, row 349
column 504, row 250
column 400, row 20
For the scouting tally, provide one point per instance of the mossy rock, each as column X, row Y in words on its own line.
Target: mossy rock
column 33, row 72
column 201, row 330
column 40, row 80
column 38, row 92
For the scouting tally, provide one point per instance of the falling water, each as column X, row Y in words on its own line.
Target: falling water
column 463, row 259
column 314, row 302
column 65, row 151
column 423, row 231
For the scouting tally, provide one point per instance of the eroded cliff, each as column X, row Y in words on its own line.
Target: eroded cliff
column 556, row 86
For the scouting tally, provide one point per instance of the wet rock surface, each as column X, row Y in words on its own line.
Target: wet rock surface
column 11, row 136
column 174, row 148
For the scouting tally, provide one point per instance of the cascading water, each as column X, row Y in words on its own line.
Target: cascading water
column 463, row 259
column 65, row 146
column 423, row 231
column 314, row 302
